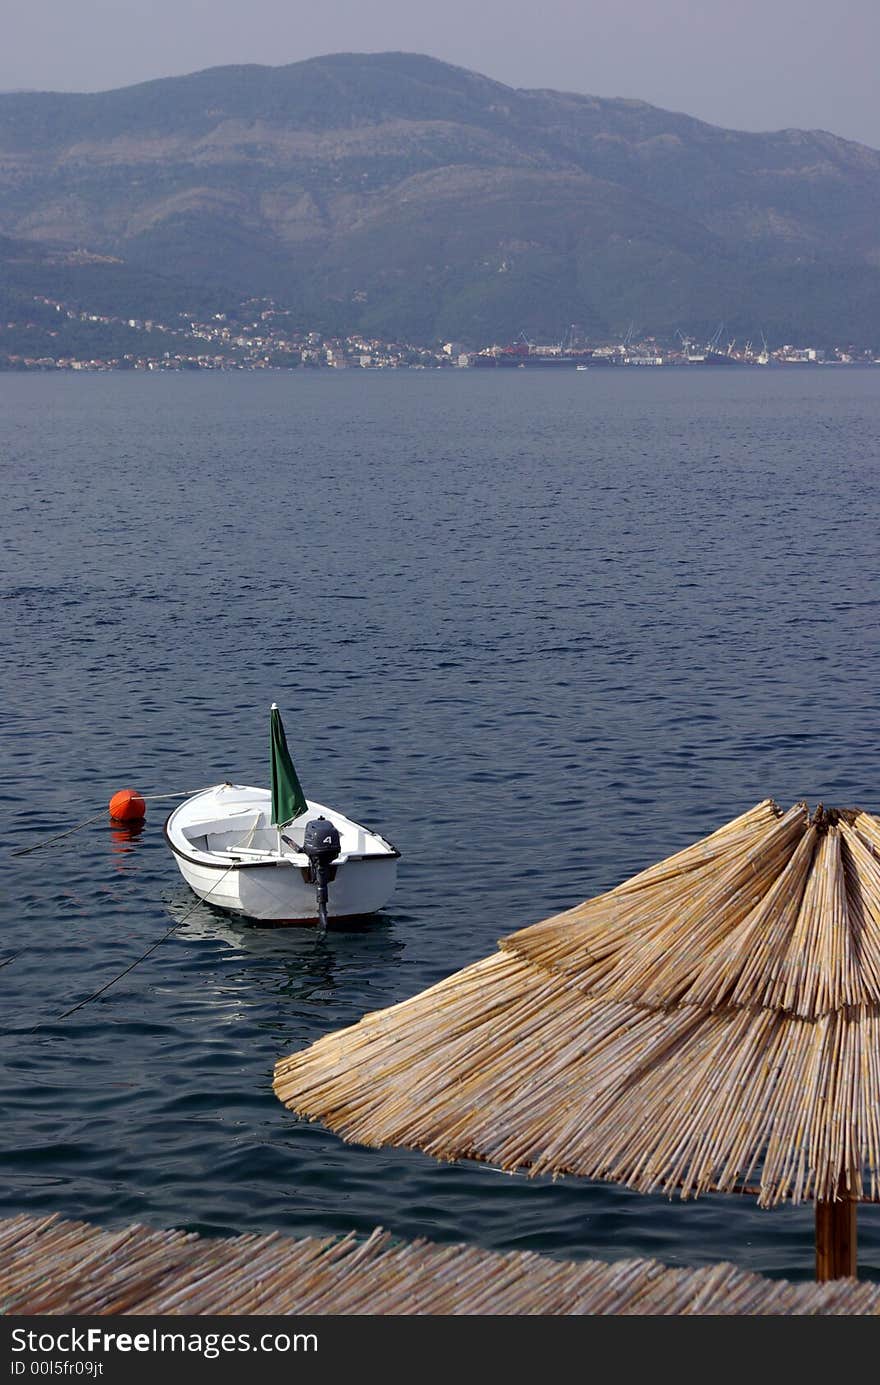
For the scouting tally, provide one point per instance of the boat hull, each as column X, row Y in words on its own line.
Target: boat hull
column 280, row 894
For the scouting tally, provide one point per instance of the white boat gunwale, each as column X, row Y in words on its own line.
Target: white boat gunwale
column 231, row 857
column 293, row 858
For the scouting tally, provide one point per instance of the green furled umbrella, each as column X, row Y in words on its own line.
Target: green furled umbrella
column 288, row 799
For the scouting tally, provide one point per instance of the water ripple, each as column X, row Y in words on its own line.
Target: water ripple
column 583, row 627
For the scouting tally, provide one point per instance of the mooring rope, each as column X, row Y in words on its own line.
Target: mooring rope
column 148, row 798
column 24, row 850
column 136, row 963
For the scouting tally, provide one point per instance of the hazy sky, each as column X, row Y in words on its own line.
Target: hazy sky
column 750, row 64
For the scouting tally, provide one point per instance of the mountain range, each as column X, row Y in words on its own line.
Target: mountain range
column 403, row 197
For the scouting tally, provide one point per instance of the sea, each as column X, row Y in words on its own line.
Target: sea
column 540, row 630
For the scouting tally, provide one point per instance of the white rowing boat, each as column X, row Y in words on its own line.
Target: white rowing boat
column 274, row 855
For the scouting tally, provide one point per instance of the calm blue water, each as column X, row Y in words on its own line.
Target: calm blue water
column 575, row 620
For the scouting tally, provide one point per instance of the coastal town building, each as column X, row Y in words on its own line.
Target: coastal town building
column 264, row 335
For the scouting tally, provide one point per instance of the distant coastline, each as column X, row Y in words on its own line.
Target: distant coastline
column 261, row 334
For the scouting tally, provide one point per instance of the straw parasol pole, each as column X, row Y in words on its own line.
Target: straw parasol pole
column 712, row 1024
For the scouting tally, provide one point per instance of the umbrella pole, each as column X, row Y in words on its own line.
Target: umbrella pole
column 836, row 1238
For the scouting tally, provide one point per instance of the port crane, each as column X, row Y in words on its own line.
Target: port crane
column 713, row 344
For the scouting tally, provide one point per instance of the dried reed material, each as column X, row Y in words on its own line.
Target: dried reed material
column 52, row 1267
column 868, row 827
column 790, row 921
column 732, row 837
column 602, row 922
column 719, row 1023
column 649, row 938
column 552, row 1081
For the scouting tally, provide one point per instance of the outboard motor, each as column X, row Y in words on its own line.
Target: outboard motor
column 321, row 845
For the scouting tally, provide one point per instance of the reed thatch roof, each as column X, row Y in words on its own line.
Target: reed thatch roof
column 52, row 1267
column 711, row 1024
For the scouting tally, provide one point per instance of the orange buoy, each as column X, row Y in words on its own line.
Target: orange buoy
column 127, row 806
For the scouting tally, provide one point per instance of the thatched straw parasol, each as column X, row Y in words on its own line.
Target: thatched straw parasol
column 712, row 1024
column 49, row 1266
